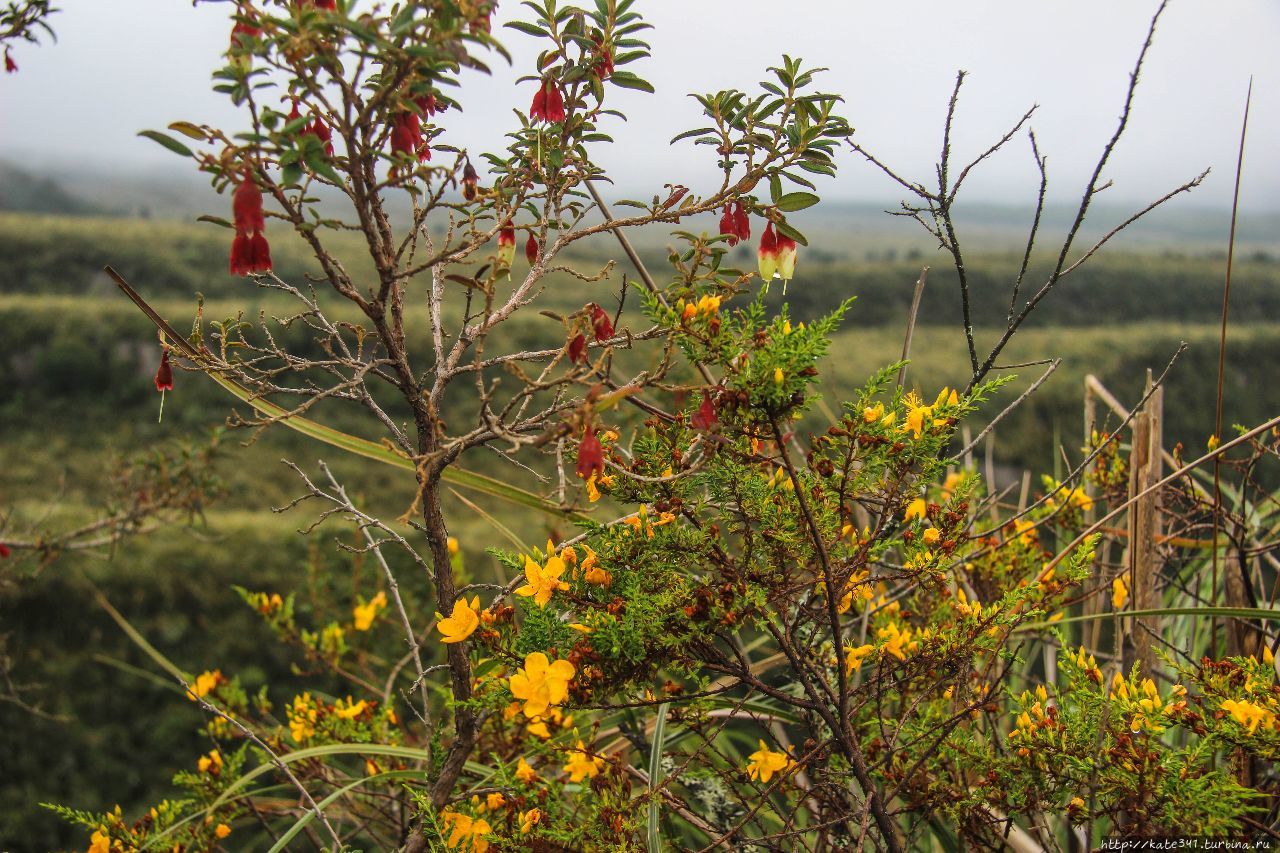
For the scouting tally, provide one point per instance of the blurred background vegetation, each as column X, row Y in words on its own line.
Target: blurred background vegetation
column 94, row 728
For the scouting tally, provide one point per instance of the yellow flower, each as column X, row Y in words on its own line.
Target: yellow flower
column 365, row 613
column 221, row 831
column 205, row 683
column 853, row 657
column 525, row 773
column 210, row 762
column 529, row 819
column 1025, row 531
column 302, row 714
column 916, row 509
column 598, row 576
column 464, row 619
column 583, row 765
column 871, row 414
column 1213, row 443
column 464, row 827
column 538, row 728
column 917, row 413
column 778, row 376
column 494, row 801
column 949, row 485
column 765, row 762
column 931, row 535
column 543, row 580
column 453, row 546
column 897, row 641
column 708, row 305
column 349, row 710
column 1247, row 713
column 948, row 397
column 542, row 683
column 1119, row 593
column 100, row 842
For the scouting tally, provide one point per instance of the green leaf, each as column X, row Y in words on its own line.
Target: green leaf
column 655, row 777
column 168, row 142
column 796, row 201
column 189, row 130
column 792, row 233
column 526, row 28
column 627, row 80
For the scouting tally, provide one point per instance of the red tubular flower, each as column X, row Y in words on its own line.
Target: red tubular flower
column 590, row 455
column 728, row 225
column 469, row 181
column 246, row 207
column 767, row 255
column 538, row 109
column 4, row 551
column 429, row 105
column 531, row 250
column 9, row 66
column 578, row 349
column 705, row 417
column 742, row 223
column 241, row 255
column 604, row 58
column 260, row 253
column 601, row 324
column 406, row 135
column 321, row 131
column 555, row 103
column 164, row 373
column 330, row 5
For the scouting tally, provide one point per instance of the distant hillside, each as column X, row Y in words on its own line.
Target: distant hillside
column 21, row 190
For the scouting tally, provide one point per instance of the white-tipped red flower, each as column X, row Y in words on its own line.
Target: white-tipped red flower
column 767, row 254
column 548, row 103
column 506, row 246
column 786, row 257
column 164, row 373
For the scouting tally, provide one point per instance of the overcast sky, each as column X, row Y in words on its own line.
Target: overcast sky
column 123, row 65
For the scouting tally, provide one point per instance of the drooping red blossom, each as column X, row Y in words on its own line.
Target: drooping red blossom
column 4, row 551
column 406, row 136
column 532, row 250
column 330, row 5
column 470, row 179
column 590, row 455
column 249, row 250
column 742, row 223
column 429, row 105
column 245, row 27
column 321, row 131
column 728, row 225
column 548, row 103
column 164, row 373
column 578, row 349
column 705, row 417
column 601, row 324
column 260, row 253
column 9, row 66
column 246, row 207
column 767, row 254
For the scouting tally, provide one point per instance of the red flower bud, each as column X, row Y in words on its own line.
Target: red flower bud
column 578, row 349
column 331, row 5
column 590, row 455
column 321, row 131
column 604, row 58
column 601, row 324
column 9, row 66
column 531, row 250
column 246, row 207
column 705, row 417
column 4, row 551
column 164, row 373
